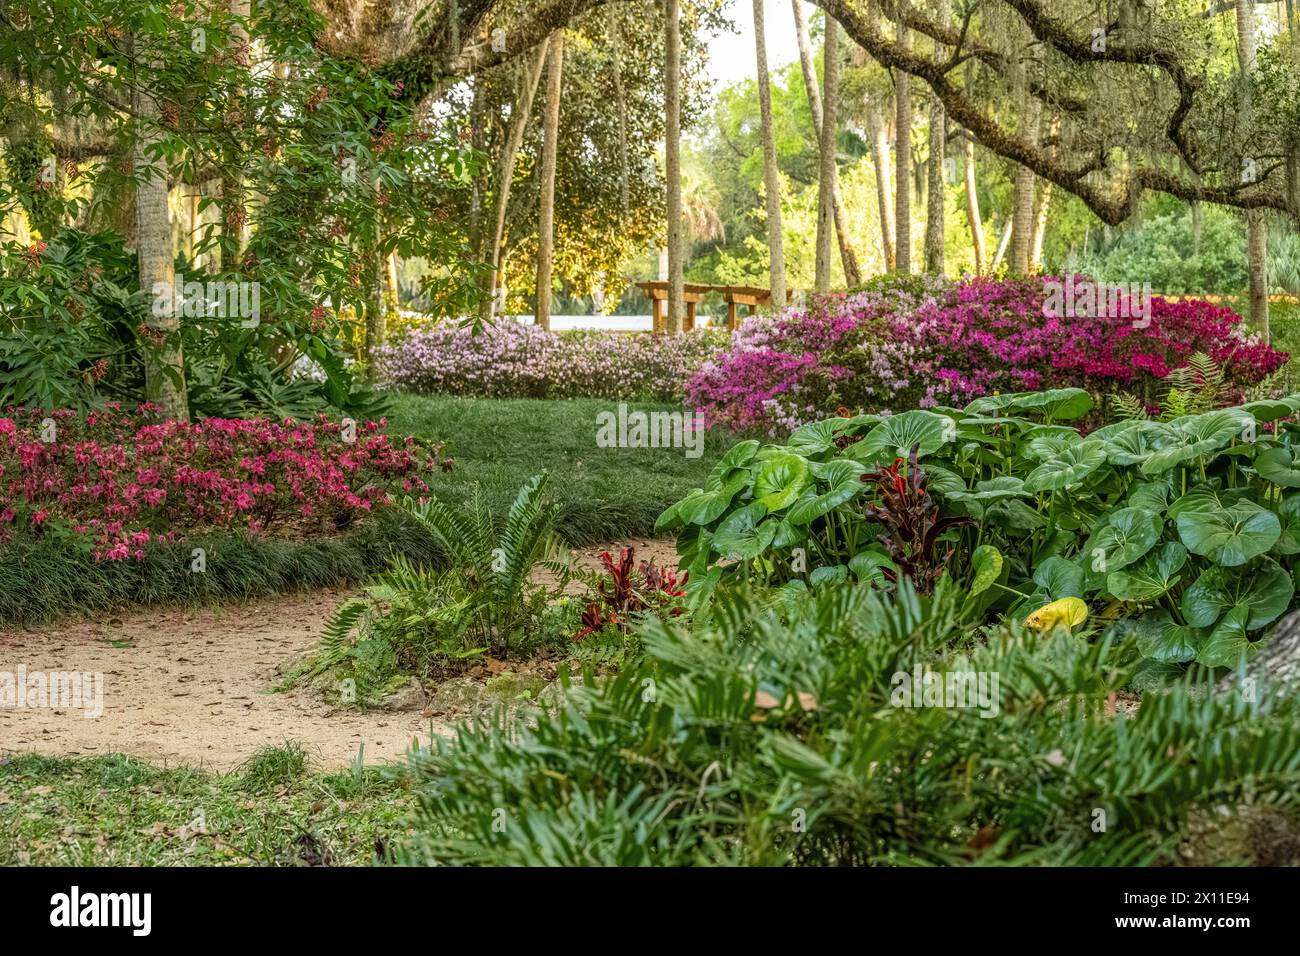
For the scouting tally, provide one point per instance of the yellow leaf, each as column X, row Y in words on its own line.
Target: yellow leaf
column 1068, row 613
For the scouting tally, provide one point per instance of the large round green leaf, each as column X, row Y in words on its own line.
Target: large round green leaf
column 1160, row 638
column 1288, row 513
column 845, row 478
column 871, row 566
column 1227, row 644
column 1264, row 588
column 897, row 435
column 1193, row 436
column 737, row 456
column 1059, row 578
column 1069, row 467
column 1268, row 410
column 1231, row 536
column 781, row 480
column 1057, row 404
column 1132, row 446
column 707, row 506
column 1127, row 535
column 1005, row 486
column 816, row 438
column 1152, row 577
column 744, row 534
column 1278, row 466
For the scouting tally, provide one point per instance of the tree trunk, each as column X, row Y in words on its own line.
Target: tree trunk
column 550, row 158
column 830, row 127
column 934, row 208
column 375, row 276
column 903, row 160
column 880, row 159
column 478, row 188
column 935, row 197
column 973, row 216
column 234, row 216
column 505, row 172
column 1023, row 214
column 1256, row 225
column 771, row 176
column 164, row 366
column 1041, row 210
column 1003, row 245
column 673, row 163
column 848, row 254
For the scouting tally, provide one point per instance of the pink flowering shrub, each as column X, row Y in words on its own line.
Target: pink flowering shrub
column 511, row 360
column 920, row 343
column 123, row 480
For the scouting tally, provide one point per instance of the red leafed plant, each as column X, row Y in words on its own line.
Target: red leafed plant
column 628, row 589
column 911, row 521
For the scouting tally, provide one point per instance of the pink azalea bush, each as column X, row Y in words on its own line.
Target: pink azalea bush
column 912, row 342
column 511, row 360
column 123, row 480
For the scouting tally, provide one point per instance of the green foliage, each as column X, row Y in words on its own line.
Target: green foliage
column 46, row 579
column 783, row 735
column 417, row 620
column 1138, row 517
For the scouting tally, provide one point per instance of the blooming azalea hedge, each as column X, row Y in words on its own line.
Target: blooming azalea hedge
column 122, row 480
column 510, row 360
column 912, row 342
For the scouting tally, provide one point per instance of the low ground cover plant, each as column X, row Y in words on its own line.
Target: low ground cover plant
column 909, row 343
column 510, row 360
column 117, row 481
column 778, row 735
column 1184, row 531
column 420, row 621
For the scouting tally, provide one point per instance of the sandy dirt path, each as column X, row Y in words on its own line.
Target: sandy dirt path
column 192, row 686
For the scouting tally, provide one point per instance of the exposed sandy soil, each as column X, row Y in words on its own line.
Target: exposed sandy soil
column 193, row 686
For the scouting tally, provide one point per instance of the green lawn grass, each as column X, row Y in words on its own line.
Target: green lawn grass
column 604, row 493
column 118, row 811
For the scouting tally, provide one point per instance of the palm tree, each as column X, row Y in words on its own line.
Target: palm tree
column 826, row 188
column 673, row 163
column 848, row 255
column 771, row 176
column 903, row 157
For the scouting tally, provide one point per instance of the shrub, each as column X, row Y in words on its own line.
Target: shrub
column 908, row 346
column 777, row 736
column 120, row 481
column 1187, row 528
column 510, row 360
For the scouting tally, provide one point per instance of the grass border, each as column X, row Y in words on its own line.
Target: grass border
column 43, row 580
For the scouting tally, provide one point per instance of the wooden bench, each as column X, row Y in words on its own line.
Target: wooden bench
column 734, row 295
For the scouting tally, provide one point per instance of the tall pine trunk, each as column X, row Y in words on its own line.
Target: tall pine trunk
column 903, row 159
column 550, row 158
column 848, row 254
column 673, row 163
column 935, row 197
column 829, row 129
column 771, row 176
column 880, row 160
